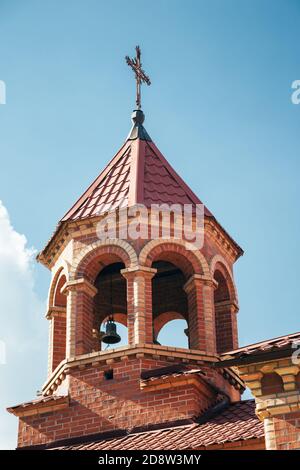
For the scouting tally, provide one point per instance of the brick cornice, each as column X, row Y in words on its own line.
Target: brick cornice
column 98, row 357
column 187, row 356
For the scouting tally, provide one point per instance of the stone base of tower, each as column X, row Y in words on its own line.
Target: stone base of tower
column 125, row 389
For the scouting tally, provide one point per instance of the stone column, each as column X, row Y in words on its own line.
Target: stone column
column 80, row 313
column 139, row 304
column 199, row 291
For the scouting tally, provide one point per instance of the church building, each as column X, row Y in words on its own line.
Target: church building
column 99, row 395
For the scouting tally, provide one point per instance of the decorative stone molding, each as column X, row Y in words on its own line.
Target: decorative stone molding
column 222, row 239
column 208, row 281
column 80, row 285
column 286, row 402
column 138, row 270
column 227, row 305
column 55, row 312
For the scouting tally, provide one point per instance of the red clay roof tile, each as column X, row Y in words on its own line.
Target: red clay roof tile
column 274, row 344
column 236, row 423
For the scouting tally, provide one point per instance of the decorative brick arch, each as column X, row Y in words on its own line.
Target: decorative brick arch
column 88, row 263
column 163, row 318
column 177, row 252
column 60, row 272
column 220, row 264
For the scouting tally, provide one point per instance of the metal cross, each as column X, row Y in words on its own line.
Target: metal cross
column 140, row 75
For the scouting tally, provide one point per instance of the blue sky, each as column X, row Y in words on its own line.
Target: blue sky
column 219, row 109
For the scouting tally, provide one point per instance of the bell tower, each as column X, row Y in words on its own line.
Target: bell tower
column 112, row 263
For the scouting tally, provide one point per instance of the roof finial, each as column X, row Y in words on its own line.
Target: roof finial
column 140, row 75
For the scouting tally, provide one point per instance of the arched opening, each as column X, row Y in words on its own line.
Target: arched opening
column 58, row 323
column 169, row 305
column 59, row 299
column 271, row 383
column 174, row 333
column 223, row 314
column 110, row 302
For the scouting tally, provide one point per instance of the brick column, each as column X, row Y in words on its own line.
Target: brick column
column 80, row 316
column 139, row 304
column 200, row 293
column 57, row 337
column 226, row 326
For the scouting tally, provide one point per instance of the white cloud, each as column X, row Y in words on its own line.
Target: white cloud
column 23, row 329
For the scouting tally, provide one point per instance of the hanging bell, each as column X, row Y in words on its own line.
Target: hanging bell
column 111, row 336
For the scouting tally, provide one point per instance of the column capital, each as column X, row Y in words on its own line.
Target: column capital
column 143, row 271
column 81, row 284
column 55, row 312
column 227, row 305
column 198, row 279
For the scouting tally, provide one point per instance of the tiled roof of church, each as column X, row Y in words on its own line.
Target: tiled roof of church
column 280, row 346
column 138, row 174
column 237, row 422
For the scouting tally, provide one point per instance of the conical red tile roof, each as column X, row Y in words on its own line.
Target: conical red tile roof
column 138, row 174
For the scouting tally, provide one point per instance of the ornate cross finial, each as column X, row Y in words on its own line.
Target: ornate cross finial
column 140, row 75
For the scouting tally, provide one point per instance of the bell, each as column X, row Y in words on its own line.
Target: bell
column 111, row 336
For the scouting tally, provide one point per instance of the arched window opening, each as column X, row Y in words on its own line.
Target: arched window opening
column 110, row 302
column 174, row 333
column 58, row 324
column 169, row 304
column 222, row 291
column 223, row 314
column 60, row 300
column 271, row 383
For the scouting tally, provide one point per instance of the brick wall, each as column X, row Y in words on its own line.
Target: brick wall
column 283, row 432
column 99, row 405
column 59, row 338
